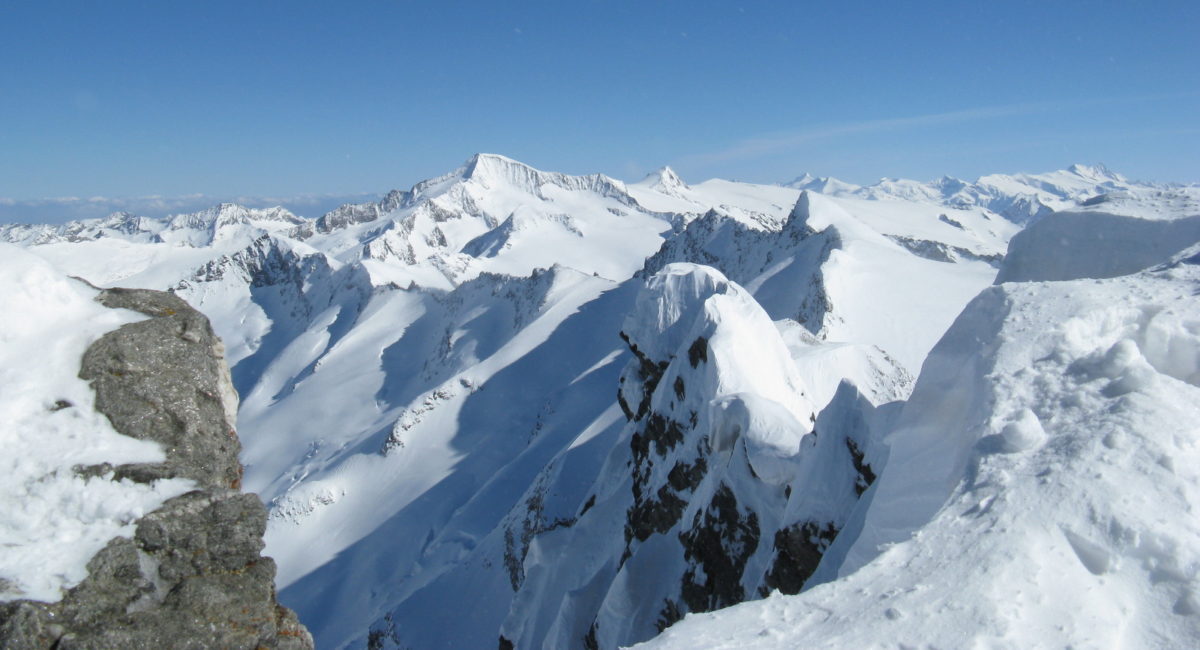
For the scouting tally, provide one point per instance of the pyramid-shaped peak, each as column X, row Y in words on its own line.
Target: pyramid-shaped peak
column 489, row 164
column 1094, row 172
column 802, row 180
column 664, row 177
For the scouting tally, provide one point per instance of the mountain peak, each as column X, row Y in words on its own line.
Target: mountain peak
column 821, row 184
column 491, row 170
column 483, row 165
column 801, row 181
column 1095, row 172
column 664, row 178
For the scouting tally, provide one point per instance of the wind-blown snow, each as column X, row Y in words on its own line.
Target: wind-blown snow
column 54, row 520
column 1038, row 491
column 1095, row 244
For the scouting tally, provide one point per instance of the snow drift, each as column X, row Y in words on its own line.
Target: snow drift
column 1094, row 244
column 1037, row 488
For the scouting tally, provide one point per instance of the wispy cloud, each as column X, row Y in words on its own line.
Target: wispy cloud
column 793, row 140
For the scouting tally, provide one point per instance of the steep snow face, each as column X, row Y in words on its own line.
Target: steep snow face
column 1095, row 244
column 1038, row 488
column 264, row 297
column 717, row 489
column 464, row 400
column 55, row 519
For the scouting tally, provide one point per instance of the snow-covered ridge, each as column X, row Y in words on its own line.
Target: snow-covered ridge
column 718, row 425
column 198, row 229
column 492, row 169
column 1036, row 490
column 1094, row 244
column 1021, row 198
column 443, row 367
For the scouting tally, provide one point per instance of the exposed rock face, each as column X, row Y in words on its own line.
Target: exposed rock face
column 164, row 379
column 192, row 576
column 724, row 484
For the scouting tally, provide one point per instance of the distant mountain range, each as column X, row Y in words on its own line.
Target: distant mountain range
column 516, row 407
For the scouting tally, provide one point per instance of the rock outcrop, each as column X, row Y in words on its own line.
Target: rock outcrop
column 724, row 484
column 192, row 576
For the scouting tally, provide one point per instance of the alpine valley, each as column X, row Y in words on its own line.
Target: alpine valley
column 521, row 409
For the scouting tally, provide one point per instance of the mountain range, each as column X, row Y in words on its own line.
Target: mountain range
column 521, row 408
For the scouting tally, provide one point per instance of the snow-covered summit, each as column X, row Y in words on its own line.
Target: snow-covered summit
column 495, row 171
column 665, row 181
column 719, row 429
column 823, row 184
column 1097, row 172
column 494, row 214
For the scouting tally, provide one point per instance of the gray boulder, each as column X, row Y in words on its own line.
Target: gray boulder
column 165, row 379
column 192, row 576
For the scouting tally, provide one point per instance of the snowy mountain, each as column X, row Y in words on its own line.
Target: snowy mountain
column 1022, row 198
column 581, row 409
column 1036, row 487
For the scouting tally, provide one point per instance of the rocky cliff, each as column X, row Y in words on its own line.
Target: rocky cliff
column 192, row 575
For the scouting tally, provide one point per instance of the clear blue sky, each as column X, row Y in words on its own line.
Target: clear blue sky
column 284, row 98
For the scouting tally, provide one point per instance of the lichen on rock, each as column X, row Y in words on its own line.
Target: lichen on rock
column 192, row 575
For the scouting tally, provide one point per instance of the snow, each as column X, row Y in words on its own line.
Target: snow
column 429, row 381
column 1094, row 244
column 375, row 487
column 749, row 404
column 823, row 366
column 54, row 520
column 1023, row 198
column 880, row 294
column 685, row 301
column 1038, row 490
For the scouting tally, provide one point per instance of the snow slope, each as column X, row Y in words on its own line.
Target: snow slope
column 54, row 520
column 430, row 382
column 1037, row 491
column 836, row 275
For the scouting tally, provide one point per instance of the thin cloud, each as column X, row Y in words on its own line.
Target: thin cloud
column 792, row 140
column 795, row 140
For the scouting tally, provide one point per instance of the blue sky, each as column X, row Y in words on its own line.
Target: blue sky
column 280, row 99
